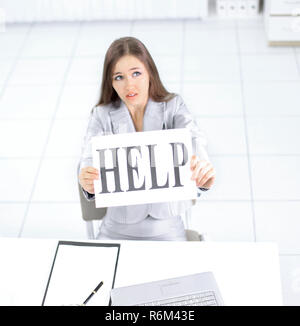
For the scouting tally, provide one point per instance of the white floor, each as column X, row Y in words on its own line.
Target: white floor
column 244, row 94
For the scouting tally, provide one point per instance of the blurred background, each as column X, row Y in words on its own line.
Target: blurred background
column 236, row 63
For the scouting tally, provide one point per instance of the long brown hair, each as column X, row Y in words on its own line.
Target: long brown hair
column 130, row 46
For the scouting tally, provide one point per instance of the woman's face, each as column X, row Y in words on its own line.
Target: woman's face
column 131, row 81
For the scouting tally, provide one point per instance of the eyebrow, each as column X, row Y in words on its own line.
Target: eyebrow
column 116, row 73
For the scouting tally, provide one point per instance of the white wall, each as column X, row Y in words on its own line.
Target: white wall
column 88, row 10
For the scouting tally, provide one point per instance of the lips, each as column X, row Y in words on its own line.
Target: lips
column 131, row 95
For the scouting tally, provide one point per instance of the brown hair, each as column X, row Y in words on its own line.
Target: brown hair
column 130, row 46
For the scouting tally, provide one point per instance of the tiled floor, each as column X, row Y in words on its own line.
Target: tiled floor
column 244, row 95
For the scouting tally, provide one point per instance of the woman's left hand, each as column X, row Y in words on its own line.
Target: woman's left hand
column 202, row 172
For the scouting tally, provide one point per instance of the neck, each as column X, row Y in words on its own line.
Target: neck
column 138, row 110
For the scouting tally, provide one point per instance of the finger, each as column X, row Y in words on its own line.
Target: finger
column 208, row 176
column 203, row 171
column 89, row 175
column 91, row 169
column 194, row 161
column 90, row 190
column 196, row 171
column 199, row 167
column 208, row 182
column 89, row 182
column 202, row 174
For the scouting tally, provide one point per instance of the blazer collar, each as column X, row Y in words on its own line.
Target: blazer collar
column 153, row 117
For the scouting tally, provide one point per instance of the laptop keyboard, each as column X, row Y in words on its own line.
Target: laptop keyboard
column 206, row 298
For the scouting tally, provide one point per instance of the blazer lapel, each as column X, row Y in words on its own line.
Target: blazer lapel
column 121, row 120
column 154, row 116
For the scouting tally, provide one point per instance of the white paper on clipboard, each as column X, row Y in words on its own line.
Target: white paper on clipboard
column 78, row 267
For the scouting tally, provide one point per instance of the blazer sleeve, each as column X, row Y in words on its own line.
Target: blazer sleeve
column 94, row 128
column 182, row 118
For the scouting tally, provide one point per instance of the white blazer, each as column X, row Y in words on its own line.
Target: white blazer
column 107, row 119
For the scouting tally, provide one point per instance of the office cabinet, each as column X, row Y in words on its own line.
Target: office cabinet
column 237, row 8
column 282, row 21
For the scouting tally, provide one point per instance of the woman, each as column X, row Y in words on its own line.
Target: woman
column 133, row 99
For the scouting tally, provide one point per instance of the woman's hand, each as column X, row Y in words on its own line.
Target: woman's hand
column 86, row 178
column 203, row 172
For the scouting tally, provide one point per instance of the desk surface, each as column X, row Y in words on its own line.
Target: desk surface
column 247, row 273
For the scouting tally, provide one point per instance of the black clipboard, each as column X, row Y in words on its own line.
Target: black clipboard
column 83, row 244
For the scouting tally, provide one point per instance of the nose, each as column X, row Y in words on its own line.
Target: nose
column 129, row 83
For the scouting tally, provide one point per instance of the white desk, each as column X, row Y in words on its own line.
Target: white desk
column 247, row 273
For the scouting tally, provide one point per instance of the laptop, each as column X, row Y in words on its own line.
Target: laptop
column 199, row 289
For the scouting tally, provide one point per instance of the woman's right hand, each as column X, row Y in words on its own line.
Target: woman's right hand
column 86, row 178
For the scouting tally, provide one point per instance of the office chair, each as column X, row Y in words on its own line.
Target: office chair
column 91, row 214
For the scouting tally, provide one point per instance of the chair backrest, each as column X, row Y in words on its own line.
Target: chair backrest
column 88, row 209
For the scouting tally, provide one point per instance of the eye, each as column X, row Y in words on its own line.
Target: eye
column 118, row 77
column 137, row 72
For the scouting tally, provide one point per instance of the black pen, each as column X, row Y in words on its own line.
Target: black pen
column 95, row 291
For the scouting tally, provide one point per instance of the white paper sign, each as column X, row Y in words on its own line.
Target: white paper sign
column 143, row 167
